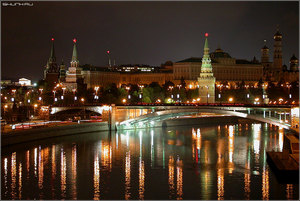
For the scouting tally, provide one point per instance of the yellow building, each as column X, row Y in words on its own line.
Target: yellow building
column 225, row 68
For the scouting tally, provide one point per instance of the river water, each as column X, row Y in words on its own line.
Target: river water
column 225, row 161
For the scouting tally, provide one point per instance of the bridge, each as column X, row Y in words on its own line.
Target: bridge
column 131, row 117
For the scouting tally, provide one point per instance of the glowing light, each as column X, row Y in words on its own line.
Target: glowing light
column 74, row 40
column 124, row 100
column 35, row 105
column 206, row 34
column 107, row 51
column 230, row 99
column 52, row 39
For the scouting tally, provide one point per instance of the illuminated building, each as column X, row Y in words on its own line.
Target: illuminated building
column 275, row 71
column 206, row 79
column 74, row 75
column 24, row 82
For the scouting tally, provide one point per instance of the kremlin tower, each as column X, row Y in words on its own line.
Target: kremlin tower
column 277, row 56
column 73, row 75
column 206, row 79
column 51, row 73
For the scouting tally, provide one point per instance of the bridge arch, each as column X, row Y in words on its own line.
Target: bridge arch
column 155, row 119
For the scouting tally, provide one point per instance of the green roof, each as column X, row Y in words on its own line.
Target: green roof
column 219, row 55
column 192, row 59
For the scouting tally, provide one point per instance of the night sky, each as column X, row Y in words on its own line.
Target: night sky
column 140, row 32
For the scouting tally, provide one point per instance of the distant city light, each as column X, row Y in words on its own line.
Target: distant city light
column 12, row 99
column 55, row 99
column 230, row 99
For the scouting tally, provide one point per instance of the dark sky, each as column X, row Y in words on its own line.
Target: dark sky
column 140, row 32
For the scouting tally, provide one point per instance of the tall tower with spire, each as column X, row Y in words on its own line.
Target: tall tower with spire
column 74, row 74
column 294, row 64
column 206, row 79
column 51, row 72
column 277, row 56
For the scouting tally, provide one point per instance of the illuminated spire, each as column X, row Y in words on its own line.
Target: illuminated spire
column 74, row 61
column 52, row 53
column 74, row 55
column 206, row 61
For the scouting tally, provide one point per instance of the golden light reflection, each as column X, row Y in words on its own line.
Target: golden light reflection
column 106, row 156
column 256, row 138
column 220, row 183
column 20, row 181
column 63, row 169
column 230, row 148
column 53, row 170
column 247, row 182
column 152, row 148
column 13, row 176
column 171, row 176
column 27, row 163
column 74, row 172
column 179, row 180
column 35, row 162
column 41, row 169
column 127, row 176
column 96, row 178
column 141, row 179
column 280, row 143
column 289, row 191
column 5, row 177
column 265, row 184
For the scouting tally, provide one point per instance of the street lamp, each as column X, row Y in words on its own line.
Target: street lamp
column 54, row 94
column 75, row 98
column 230, row 99
column 207, row 95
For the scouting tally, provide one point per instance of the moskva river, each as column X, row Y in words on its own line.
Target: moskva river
column 225, row 161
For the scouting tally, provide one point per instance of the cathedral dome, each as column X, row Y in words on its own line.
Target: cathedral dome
column 219, row 53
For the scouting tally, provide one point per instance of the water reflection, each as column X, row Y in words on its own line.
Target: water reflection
column 13, row 176
column 171, row 177
column 41, row 171
column 201, row 163
column 127, row 175
column 20, row 181
column 179, row 179
column 74, row 172
column 63, row 172
column 5, row 177
column 96, row 178
column 53, row 171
